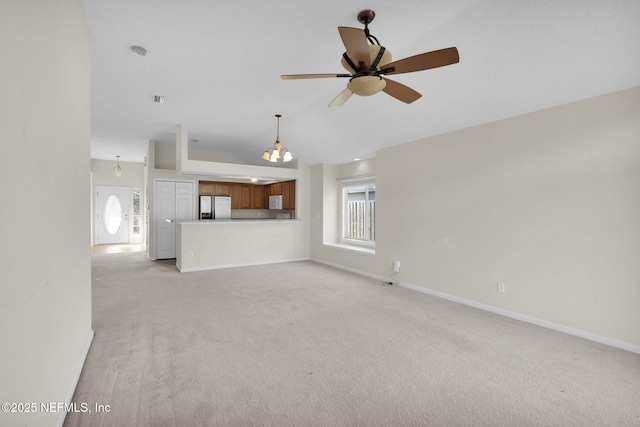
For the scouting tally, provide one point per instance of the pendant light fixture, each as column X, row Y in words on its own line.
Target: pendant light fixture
column 117, row 169
column 276, row 152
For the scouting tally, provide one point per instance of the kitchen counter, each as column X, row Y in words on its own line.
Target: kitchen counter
column 233, row 220
column 224, row 243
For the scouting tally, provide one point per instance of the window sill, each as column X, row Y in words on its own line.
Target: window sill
column 352, row 248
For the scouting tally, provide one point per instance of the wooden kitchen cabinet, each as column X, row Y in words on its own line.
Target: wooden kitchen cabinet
column 275, row 189
column 245, row 196
column 289, row 195
column 206, row 188
column 211, row 188
column 258, row 197
column 285, row 189
column 250, row 196
column 235, row 190
column 222, row 189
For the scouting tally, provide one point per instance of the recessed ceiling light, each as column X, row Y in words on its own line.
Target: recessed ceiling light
column 138, row 50
column 158, row 99
column 356, row 159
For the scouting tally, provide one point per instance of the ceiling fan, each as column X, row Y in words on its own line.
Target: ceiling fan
column 367, row 63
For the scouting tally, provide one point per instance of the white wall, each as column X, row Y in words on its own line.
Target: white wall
column 132, row 177
column 45, row 289
column 239, row 243
column 547, row 203
column 166, row 157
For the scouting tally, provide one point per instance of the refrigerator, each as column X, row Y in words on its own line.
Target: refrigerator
column 215, row 207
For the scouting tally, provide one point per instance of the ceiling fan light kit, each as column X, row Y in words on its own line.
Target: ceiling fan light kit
column 368, row 63
column 366, row 85
column 277, row 151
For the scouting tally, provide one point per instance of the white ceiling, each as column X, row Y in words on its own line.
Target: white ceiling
column 218, row 63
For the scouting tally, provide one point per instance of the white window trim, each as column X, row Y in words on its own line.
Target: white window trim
column 352, row 248
column 355, row 244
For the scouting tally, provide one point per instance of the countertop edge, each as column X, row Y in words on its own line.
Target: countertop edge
column 233, row 221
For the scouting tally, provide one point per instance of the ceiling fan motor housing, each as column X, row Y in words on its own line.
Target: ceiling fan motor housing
column 367, row 85
column 373, row 53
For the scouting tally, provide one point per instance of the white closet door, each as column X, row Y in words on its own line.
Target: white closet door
column 173, row 200
column 165, row 196
column 184, row 200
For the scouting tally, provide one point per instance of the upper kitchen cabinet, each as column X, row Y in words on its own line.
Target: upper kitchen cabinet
column 285, row 189
column 275, row 189
column 222, row 189
column 289, row 195
column 235, row 190
column 210, row 188
column 251, row 196
column 247, row 196
column 258, row 197
column 206, row 188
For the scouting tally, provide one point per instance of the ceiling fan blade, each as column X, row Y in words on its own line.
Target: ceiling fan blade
column 356, row 44
column 311, row 76
column 400, row 91
column 424, row 61
column 341, row 98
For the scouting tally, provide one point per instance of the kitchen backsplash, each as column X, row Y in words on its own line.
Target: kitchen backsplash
column 259, row 213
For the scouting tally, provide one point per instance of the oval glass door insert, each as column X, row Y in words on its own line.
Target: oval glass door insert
column 112, row 215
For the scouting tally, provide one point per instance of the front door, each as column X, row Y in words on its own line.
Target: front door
column 112, row 215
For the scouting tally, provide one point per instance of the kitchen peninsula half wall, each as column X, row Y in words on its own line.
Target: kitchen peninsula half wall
column 209, row 245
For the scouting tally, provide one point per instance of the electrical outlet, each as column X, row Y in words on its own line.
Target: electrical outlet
column 390, row 264
column 190, row 254
column 396, row 266
column 501, row 288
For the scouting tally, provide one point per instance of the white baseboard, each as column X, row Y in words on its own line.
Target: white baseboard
column 352, row 270
column 529, row 319
column 74, row 384
column 248, row 264
column 634, row 348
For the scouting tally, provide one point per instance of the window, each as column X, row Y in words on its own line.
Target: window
column 135, row 199
column 112, row 215
column 359, row 211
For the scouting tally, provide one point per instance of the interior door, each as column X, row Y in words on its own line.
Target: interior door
column 112, row 214
column 173, row 200
column 184, row 200
column 165, row 212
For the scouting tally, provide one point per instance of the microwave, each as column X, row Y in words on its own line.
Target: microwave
column 275, row 202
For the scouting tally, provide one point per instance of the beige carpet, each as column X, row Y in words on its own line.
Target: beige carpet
column 302, row 344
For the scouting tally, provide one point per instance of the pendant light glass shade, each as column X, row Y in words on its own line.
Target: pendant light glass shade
column 287, row 156
column 117, row 169
column 277, row 151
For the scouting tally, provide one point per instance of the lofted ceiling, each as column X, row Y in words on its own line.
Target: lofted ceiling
column 218, row 65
